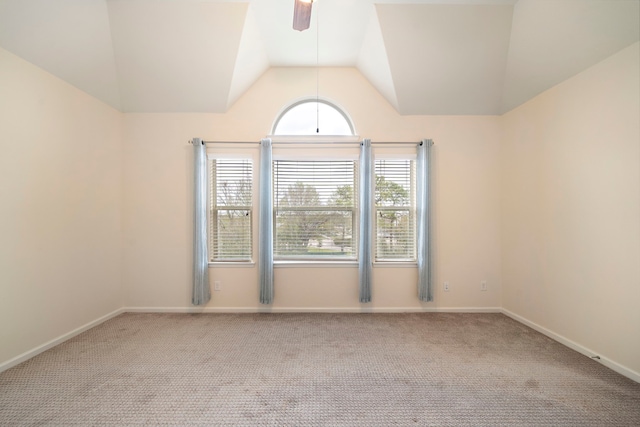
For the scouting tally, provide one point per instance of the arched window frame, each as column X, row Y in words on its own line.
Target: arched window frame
column 305, row 100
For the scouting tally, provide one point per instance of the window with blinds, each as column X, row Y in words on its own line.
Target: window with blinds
column 395, row 210
column 315, row 209
column 230, row 236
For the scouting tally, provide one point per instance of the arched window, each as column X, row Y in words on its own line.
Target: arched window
column 313, row 117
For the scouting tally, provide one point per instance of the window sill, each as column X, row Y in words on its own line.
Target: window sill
column 230, row 264
column 395, row 264
column 315, row 264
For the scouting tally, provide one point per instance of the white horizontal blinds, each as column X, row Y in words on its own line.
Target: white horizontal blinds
column 315, row 206
column 230, row 209
column 395, row 208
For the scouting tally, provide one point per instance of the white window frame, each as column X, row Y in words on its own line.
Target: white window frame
column 224, row 152
column 307, row 100
column 310, row 155
column 301, row 148
column 396, row 153
column 317, row 146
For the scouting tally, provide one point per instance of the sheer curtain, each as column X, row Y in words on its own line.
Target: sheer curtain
column 265, row 218
column 423, row 207
column 366, row 222
column 201, row 290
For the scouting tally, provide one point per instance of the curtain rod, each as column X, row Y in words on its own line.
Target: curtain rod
column 311, row 143
column 229, row 142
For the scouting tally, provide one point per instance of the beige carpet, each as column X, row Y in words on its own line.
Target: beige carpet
column 315, row 370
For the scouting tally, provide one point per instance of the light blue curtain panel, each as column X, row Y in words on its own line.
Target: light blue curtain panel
column 366, row 222
column 423, row 202
column 201, row 289
column 265, row 215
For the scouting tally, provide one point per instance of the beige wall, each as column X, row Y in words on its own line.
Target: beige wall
column 571, row 209
column 60, row 225
column 158, row 214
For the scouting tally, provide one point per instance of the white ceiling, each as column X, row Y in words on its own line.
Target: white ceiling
column 423, row 56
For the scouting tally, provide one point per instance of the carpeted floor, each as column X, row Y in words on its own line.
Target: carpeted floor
column 315, row 370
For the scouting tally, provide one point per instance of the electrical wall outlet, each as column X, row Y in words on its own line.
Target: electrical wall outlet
column 446, row 287
column 217, row 285
column 483, row 285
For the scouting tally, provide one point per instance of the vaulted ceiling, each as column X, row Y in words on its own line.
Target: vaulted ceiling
column 423, row 56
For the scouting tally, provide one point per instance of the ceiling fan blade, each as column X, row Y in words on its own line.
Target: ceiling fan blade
column 302, row 14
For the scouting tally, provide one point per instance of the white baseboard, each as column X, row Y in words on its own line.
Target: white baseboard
column 268, row 309
column 623, row 370
column 46, row 346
